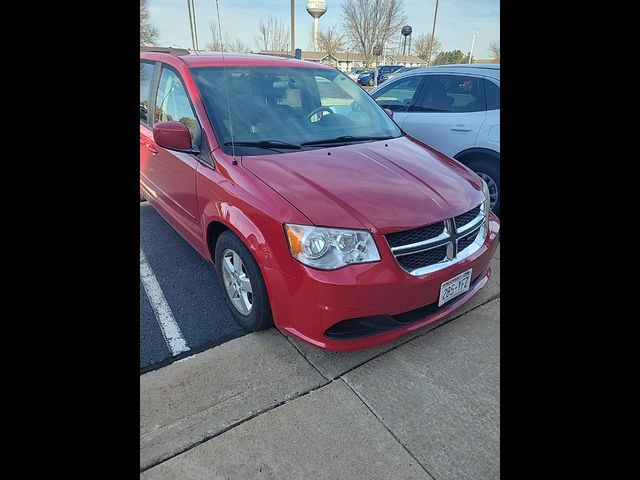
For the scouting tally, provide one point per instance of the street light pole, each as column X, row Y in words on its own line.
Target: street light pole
column 293, row 30
column 472, row 44
column 433, row 33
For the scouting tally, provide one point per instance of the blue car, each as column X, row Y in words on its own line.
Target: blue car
column 366, row 78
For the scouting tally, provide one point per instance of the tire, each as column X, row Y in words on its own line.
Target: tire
column 259, row 315
column 489, row 170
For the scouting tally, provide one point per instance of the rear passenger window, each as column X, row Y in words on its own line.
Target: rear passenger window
column 492, row 91
column 286, row 91
column 453, row 93
column 146, row 76
column 172, row 102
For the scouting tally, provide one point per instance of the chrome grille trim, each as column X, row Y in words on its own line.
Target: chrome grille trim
column 449, row 237
column 473, row 224
column 426, row 243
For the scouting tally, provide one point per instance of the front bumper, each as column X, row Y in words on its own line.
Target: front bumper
column 313, row 301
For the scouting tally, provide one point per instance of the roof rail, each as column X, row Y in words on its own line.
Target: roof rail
column 171, row 50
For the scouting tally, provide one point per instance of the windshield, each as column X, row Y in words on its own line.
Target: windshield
column 277, row 109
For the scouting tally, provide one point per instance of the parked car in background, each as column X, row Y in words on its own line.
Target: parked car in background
column 319, row 214
column 454, row 108
column 367, row 75
column 389, row 76
column 368, row 79
column 353, row 75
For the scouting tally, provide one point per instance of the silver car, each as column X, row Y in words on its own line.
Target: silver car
column 454, row 108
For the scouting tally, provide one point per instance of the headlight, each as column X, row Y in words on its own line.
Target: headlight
column 330, row 248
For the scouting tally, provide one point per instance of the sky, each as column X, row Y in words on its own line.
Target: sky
column 456, row 21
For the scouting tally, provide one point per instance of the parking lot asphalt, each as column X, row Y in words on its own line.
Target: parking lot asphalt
column 193, row 296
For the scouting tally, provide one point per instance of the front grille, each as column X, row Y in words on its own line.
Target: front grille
column 462, row 220
column 432, row 247
column 464, row 242
column 420, row 259
column 416, row 235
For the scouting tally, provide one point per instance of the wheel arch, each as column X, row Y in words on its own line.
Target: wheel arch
column 477, row 153
column 232, row 218
column 215, row 228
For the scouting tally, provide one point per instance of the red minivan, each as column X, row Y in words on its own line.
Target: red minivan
column 319, row 213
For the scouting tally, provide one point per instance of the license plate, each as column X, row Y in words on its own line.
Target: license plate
column 454, row 287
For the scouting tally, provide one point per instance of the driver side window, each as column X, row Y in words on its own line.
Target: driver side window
column 172, row 103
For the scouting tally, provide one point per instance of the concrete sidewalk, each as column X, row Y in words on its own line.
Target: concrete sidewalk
column 268, row 406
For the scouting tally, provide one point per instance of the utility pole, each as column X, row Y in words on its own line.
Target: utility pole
column 433, row 33
column 195, row 28
column 293, row 29
column 192, row 25
column 193, row 38
column 472, row 44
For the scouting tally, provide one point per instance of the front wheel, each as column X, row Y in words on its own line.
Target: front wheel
column 489, row 171
column 240, row 277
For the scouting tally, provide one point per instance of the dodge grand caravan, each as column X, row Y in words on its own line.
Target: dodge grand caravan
column 319, row 213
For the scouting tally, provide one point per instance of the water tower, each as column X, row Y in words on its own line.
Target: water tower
column 406, row 33
column 316, row 9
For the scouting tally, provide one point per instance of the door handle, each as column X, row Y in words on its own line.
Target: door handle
column 151, row 148
column 460, row 128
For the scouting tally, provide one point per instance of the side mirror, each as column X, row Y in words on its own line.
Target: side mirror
column 173, row 136
column 388, row 112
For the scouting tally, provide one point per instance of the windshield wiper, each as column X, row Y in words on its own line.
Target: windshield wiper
column 265, row 144
column 344, row 139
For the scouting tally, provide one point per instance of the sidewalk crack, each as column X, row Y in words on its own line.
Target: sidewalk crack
column 229, row 427
column 305, row 357
column 364, row 402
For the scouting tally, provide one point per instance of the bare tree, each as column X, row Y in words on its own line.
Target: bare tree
column 148, row 33
column 214, row 45
column 494, row 47
column 369, row 22
column 331, row 41
column 273, row 35
column 423, row 44
column 237, row 45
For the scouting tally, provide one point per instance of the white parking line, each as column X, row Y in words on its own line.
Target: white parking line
column 170, row 330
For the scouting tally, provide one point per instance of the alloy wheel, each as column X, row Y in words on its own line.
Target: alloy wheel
column 237, row 282
column 493, row 188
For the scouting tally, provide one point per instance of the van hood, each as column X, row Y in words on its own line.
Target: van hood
column 382, row 186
